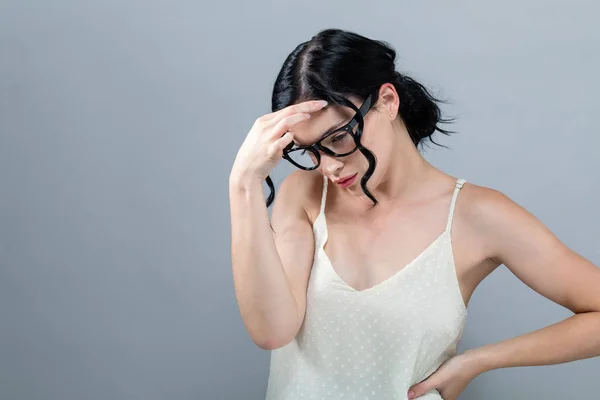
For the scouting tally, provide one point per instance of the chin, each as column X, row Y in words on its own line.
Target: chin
column 357, row 189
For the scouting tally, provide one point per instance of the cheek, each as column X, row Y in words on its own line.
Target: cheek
column 377, row 147
column 381, row 147
column 359, row 162
column 368, row 139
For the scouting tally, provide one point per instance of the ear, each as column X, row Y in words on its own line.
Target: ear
column 389, row 100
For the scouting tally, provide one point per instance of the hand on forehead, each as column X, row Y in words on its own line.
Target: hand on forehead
column 321, row 123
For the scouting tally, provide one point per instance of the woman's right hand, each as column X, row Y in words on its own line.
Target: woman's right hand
column 263, row 147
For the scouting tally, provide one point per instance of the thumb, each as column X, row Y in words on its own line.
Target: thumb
column 419, row 390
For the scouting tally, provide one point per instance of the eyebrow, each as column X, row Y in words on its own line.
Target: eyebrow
column 328, row 131
column 333, row 128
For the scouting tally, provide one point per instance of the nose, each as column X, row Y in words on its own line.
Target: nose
column 331, row 165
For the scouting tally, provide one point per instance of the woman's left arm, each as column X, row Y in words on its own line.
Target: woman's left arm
column 509, row 234
column 513, row 236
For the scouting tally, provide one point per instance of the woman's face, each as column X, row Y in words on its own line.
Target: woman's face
column 378, row 137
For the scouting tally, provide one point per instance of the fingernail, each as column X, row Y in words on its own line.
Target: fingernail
column 323, row 103
column 411, row 394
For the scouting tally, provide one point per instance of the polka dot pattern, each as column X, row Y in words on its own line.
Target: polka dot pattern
column 372, row 344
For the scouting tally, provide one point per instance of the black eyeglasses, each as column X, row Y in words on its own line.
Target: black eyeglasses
column 341, row 142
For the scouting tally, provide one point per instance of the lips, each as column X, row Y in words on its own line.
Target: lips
column 341, row 181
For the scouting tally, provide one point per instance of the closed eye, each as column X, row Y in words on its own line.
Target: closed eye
column 339, row 137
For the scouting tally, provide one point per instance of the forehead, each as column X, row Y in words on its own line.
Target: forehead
column 311, row 130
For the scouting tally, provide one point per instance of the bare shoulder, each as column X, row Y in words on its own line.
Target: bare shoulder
column 501, row 223
column 477, row 203
column 483, row 211
column 300, row 191
column 514, row 236
column 473, row 204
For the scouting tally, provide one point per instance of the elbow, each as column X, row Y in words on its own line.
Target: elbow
column 275, row 337
column 266, row 344
column 273, row 343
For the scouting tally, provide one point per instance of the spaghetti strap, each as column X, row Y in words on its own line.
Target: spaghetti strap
column 459, row 184
column 324, row 195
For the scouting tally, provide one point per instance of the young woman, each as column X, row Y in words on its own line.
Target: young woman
column 360, row 282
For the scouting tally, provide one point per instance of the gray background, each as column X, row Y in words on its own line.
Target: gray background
column 119, row 122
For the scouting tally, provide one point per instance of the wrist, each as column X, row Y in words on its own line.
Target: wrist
column 477, row 360
column 245, row 181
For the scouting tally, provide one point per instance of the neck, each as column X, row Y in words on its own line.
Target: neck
column 404, row 177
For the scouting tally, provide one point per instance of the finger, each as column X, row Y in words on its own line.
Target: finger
column 304, row 107
column 286, row 123
column 416, row 391
column 282, row 142
column 419, row 390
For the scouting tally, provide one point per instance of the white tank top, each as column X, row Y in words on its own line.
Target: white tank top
column 372, row 344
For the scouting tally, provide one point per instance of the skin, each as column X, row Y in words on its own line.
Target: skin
column 366, row 245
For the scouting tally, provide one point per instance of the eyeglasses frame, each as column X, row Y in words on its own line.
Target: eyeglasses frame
column 315, row 147
column 362, row 111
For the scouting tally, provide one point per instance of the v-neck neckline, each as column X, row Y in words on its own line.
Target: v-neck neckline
column 379, row 285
